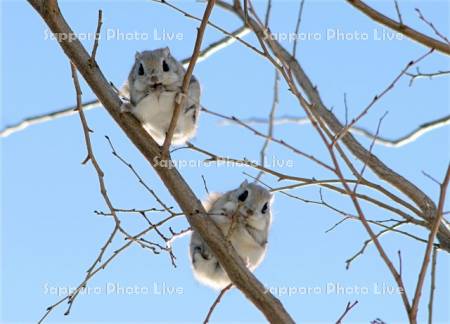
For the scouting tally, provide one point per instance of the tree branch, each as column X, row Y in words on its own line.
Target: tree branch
column 400, row 27
column 241, row 277
column 431, row 238
column 388, row 142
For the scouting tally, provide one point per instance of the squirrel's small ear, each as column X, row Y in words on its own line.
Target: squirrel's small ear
column 166, row 51
column 244, row 184
column 137, row 55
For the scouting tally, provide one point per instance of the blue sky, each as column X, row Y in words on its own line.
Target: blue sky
column 50, row 234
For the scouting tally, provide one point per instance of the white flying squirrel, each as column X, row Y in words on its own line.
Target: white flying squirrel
column 154, row 84
column 244, row 216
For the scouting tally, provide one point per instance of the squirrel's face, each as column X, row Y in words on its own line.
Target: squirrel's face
column 254, row 201
column 155, row 69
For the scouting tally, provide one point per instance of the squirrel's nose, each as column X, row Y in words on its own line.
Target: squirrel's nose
column 249, row 212
column 154, row 78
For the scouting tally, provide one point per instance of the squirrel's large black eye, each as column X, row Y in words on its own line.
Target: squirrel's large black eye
column 165, row 66
column 141, row 70
column 243, row 196
column 264, row 209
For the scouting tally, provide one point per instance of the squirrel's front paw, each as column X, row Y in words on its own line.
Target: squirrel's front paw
column 180, row 96
column 230, row 208
column 126, row 107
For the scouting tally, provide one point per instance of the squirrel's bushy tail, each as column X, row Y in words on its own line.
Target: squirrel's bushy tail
column 206, row 267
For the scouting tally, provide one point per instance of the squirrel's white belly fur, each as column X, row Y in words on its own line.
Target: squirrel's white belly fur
column 155, row 112
column 208, row 271
column 250, row 251
column 213, row 275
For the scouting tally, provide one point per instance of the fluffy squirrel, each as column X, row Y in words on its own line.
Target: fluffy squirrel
column 244, row 216
column 154, row 84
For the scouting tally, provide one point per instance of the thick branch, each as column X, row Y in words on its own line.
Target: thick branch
column 179, row 189
column 400, row 27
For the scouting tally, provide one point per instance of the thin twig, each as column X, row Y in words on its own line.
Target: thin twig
column 268, row 12
column 100, row 175
column 187, row 78
column 276, row 140
column 420, row 75
column 432, row 285
column 205, row 185
column 361, row 173
column 399, row 15
column 381, row 94
column 97, row 36
column 222, row 30
column 429, row 248
column 90, row 275
column 370, row 240
column 216, row 302
column 275, row 102
column 429, row 23
column 348, row 308
column 139, row 178
column 297, row 27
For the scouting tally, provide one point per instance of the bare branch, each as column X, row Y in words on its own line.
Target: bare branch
column 297, row 27
column 275, row 102
column 42, row 118
column 399, row 15
column 429, row 23
column 429, row 248
column 380, row 95
column 205, row 185
column 268, row 12
column 420, row 75
column 400, row 27
column 139, row 178
column 187, row 78
column 348, row 308
column 370, row 240
column 216, row 302
column 394, row 143
column 276, row 140
column 97, row 36
column 217, row 46
column 432, row 285
column 188, row 15
column 103, row 266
